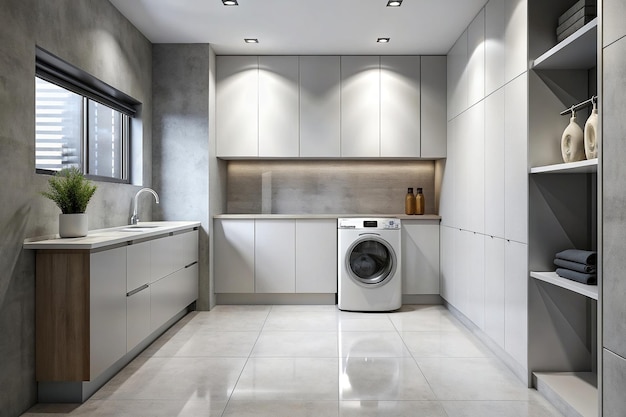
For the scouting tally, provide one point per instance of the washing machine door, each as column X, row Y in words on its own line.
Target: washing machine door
column 371, row 261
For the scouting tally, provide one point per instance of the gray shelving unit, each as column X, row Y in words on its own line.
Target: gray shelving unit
column 562, row 315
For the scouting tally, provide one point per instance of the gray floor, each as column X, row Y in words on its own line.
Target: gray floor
column 313, row 361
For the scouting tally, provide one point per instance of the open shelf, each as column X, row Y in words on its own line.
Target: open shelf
column 578, row 51
column 587, row 166
column 577, row 391
column 590, row 291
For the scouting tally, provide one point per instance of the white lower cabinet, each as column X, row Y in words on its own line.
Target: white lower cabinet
column 107, row 309
column 137, row 294
column 494, row 289
column 316, row 256
column 447, row 255
column 516, row 301
column 277, row 256
column 420, row 257
column 234, row 256
column 169, row 295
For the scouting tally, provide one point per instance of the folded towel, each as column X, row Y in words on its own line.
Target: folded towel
column 577, row 255
column 575, row 266
column 589, row 279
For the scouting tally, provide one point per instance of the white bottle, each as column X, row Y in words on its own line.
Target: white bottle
column 572, row 142
column 591, row 128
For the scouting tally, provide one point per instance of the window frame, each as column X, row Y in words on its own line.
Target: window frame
column 56, row 71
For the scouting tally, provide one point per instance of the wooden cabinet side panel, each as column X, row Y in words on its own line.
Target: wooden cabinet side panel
column 62, row 316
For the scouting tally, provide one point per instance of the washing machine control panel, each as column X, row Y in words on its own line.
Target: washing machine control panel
column 365, row 224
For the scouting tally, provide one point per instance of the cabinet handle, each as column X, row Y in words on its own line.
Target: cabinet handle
column 191, row 264
column 136, row 290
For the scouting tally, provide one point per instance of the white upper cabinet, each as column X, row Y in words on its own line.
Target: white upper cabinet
column 433, row 107
column 320, row 107
column 278, row 106
column 476, row 59
column 515, row 38
column 494, row 164
column 400, row 106
column 237, row 106
column 457, row 77
column 360, row 106
column 495, row 29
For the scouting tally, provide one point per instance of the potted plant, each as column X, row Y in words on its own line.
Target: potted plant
column 71, row 192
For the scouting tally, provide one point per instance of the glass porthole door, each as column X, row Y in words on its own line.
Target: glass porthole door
column 371, row 261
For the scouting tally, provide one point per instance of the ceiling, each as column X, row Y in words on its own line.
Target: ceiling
column 305, row 27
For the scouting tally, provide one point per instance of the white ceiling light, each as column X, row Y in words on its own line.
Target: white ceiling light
column 394, row 3
column 233, row 3
column 251, row 40
column 383, row 40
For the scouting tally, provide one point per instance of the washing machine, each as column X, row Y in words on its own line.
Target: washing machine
column 369, row 271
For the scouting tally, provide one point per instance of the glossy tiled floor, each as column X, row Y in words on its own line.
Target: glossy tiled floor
column 313, row 361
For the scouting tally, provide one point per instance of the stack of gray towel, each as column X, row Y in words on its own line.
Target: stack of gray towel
column 577, row 265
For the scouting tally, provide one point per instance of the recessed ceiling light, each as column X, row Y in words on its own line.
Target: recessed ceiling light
column 383, row 40
column 230, row 3
column 394, row 3
column 251, row 40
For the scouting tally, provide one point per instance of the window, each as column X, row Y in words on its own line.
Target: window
column 80, row 122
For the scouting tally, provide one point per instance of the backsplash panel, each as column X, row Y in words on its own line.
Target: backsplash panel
column 327, row 187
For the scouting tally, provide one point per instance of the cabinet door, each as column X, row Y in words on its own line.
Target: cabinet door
column 278, row 106
column 107, row 315
column 320, row 106
column 234, row 256
column 516, row 301
column 494, row 164
column 360, row 106
column 494, row 289
column 448, row 257
column 495, row 28
column 448, row 208
column 475, row 278
column 433, row 107
column 170, row 295
column 400, row 106
column 420, row 257
column 237, row 106
column 316, row 256
column 515, row 38
column 137, row 317
column 171, row 253
column 274, row 254
column 457, row 77
column 476, row 59
column 516, row 160
column 137, row 265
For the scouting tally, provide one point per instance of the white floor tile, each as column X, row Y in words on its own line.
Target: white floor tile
column 444, row 345
column 301, row 321
column 391, row 409
column 282, row 409
column 372, row 345
column 498, row 409
column 296, row 344
column 199, row 342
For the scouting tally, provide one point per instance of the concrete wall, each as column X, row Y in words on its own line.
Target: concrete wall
column 92, row 35
column 613, row 154
column 181, row 140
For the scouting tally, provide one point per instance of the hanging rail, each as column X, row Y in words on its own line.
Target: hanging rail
column 581, row 105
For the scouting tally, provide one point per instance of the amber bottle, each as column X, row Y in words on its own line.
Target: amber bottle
column 419, row 202
column 409, row 202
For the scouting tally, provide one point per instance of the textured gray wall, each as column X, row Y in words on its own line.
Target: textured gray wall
column 181, row 140
column 94, row 36
column 613, row 153
column 330, row 187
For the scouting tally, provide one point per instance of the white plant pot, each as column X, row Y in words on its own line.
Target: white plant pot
column 73, row 225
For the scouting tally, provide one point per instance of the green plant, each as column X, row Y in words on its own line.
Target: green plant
column 70, row 190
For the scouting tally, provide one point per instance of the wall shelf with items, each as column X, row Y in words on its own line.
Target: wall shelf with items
column 578, row 51
column 562, row 314
column 590, row 291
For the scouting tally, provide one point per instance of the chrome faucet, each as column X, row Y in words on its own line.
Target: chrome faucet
column 135, row 217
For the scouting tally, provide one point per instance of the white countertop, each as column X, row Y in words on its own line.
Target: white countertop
column 324, row 216
column 100, row 238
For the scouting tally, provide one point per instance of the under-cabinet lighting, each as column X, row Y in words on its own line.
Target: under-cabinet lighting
column 230, row 3
column 394, row 3
column 251, row 40
column 383, row 40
